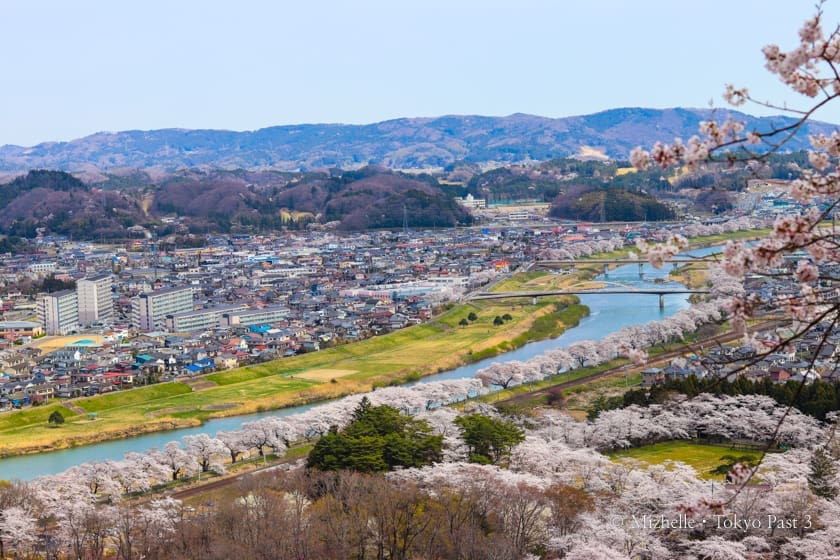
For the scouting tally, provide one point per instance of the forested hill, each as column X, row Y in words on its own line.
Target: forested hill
column 400, row 143
column 55, row 202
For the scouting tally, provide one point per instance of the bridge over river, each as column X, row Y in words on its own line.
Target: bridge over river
column 619, row 291
column 606, row 263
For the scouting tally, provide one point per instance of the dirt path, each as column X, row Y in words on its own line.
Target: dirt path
column 74, row 407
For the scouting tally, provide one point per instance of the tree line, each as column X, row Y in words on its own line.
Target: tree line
column 815, row 399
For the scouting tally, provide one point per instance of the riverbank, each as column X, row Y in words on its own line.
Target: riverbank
column 402, row 356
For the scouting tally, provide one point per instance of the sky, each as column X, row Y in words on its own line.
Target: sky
column 76, row 68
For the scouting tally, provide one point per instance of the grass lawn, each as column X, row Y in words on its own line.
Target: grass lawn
column 702, row 457
column 36, row 415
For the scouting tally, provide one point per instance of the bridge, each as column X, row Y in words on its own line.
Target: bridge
column 534, row 295
column 606, row 263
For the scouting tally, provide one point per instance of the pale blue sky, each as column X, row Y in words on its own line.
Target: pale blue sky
column 72, row 68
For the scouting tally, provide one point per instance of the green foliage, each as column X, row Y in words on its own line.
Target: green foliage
column 822, row 476
column 506, row 317
column 601, row 404
column 490, row 440
column 56, row 418
column 498, row 321
column 378, row 439
column 472, row 316
column 463, row 322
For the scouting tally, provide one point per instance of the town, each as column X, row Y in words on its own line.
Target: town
column 117, row 317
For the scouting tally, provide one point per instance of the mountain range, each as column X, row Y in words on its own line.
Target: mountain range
column 407, row 143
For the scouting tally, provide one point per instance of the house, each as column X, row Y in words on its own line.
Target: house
column 652, row 376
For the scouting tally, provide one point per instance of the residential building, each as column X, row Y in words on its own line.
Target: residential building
column 42, row 268
column 59, row 312
column 95, row 302
column 199, row 319
column 14, row 329
column 248, row 317
column 149, row 309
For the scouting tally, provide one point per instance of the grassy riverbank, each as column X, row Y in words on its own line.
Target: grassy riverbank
column 397, row 357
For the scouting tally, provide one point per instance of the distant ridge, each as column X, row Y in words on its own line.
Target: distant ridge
column 400, row 143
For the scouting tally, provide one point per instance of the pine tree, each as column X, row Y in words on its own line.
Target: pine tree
column 822, row 479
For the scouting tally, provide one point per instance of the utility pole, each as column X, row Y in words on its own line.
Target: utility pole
column 405, row 219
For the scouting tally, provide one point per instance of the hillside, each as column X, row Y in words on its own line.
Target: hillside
column 375, row 198
column 608, row 204
column 400, row 143
column 55, row 202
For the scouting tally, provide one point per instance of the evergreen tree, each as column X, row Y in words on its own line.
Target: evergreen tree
column 56, row 418
column 489, row 439
column 822, row 478
column 379, row 438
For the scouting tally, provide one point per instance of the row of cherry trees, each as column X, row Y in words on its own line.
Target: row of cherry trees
column 629, row 341
column 588, row 248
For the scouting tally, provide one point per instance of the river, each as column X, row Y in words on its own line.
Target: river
column 608, row 313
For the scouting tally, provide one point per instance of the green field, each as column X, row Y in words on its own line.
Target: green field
column 702, row 457
column 437, row 346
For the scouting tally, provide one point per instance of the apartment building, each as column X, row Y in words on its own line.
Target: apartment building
column 149, row 309
column 199, row 319
column 95, row 302
column 59, row 312
column 248, row 317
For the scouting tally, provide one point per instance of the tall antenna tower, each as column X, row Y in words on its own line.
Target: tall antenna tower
column 405, row 219
column 154, row 251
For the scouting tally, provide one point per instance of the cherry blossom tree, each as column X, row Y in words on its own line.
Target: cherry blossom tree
column 235, row 444
column 18, row 529
column 258, row 434
column 810, row 70
column 177, row 460
column 503, row 374
column 206, row 451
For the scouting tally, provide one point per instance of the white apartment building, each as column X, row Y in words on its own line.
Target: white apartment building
column 41, row 268
column 149, row 309
column 95, row 302
column 199, row 319
column 248, row 317
column 59, row 312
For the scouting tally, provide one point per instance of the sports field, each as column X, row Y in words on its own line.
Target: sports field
column 49, row 344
